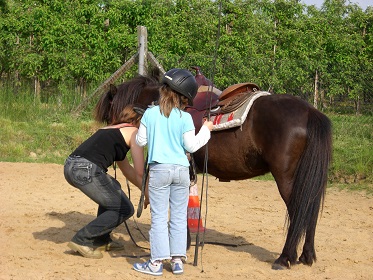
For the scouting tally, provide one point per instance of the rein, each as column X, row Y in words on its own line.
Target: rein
column 205, row 170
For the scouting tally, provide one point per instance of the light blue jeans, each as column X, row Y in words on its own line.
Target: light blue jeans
column 168, row 190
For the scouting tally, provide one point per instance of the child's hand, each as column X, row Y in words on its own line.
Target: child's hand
column 209, row 124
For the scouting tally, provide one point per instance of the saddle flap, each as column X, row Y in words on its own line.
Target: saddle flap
column 209, row 88
column 202, row 100
column 238, row 88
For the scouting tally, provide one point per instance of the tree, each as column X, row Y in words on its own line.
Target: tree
column 282, row 45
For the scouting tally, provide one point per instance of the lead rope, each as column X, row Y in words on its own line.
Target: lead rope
column 205, row 170
column 126, row 225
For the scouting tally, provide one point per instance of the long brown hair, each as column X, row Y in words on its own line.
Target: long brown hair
column 128, row 115
column 169, row 99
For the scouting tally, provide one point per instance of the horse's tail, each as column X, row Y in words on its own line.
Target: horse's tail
column 310, row 178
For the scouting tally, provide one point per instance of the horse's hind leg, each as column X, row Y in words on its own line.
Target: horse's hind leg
column 283, row 170
column 288, row 256
column 308, row 255
column 302, row 200
column 289, row 253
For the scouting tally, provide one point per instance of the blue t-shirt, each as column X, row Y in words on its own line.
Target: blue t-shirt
column 165, row 135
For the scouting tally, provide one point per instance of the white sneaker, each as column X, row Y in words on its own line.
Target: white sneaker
column 149, row 268
column 177, row 266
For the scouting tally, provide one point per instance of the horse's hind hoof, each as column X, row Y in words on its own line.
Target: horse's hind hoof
column 277, row 266
column 307, row 260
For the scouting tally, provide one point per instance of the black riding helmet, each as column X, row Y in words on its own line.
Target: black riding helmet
column 181, row 81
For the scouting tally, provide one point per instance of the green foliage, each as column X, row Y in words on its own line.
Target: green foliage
column 280, row 45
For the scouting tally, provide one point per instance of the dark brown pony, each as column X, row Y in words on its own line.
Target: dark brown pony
column 282, row 134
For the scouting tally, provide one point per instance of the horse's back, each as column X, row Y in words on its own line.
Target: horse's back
column 280, row 116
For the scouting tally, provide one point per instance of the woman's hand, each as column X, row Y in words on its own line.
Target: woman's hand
column 146, row 201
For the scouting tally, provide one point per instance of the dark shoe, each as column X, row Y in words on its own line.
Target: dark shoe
column 85, row 251
column 112, row 246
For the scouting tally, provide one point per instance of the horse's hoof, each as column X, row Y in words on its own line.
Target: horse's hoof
column 306, row 261
column 277, row 266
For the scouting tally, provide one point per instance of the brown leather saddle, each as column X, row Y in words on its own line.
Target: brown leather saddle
column 210, row 102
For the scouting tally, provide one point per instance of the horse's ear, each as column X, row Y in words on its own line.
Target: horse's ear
column 155, row 73
column 113, row 89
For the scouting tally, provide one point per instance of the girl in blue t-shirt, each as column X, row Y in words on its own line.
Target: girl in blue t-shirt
column 169, row 133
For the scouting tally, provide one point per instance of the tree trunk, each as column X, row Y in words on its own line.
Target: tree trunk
column 324, row 102
column 316, row 91
column 358, row 105
column 83, row 87
column 36, row 89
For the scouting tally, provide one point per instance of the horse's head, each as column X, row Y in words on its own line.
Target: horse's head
column 148, row 95
column 139, row 90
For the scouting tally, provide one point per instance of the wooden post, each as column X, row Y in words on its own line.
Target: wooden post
column 154, row 62
column 143, row 48
column 141, row 56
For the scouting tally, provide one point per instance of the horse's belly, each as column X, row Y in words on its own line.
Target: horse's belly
column 229, row 162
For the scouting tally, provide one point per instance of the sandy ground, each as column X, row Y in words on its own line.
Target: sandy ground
column 40, row 213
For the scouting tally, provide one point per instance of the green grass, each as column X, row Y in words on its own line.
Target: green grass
column 42, row 141
column 352, row 165
column 47, row 133
column 33, row 131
